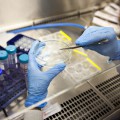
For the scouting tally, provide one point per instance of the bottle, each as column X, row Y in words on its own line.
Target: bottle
column 11, row 49
column 23, row 59
column 1, row 75
column 4, row 60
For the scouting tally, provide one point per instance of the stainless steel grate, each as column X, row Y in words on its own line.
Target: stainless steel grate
column 86, row 106
column 111, row 89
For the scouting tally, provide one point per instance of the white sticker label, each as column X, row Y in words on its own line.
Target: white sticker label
column 50, row 110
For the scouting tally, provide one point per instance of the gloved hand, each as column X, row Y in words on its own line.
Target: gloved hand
column 38, row 81
column 95, row 34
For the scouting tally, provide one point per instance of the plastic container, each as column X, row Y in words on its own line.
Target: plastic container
column 52, row 55
column 4, row 60
column 11, row 49
column 1, row 75
column 23, row 59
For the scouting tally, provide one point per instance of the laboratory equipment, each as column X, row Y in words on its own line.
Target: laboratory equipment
column 51, row 52
column 4, row 60
column 52, row 25
column 1, row 75
column 21, row 42
column 12, row 58
column 11, row 87
column 23, row 59
column 78, row 46
column 79, row 68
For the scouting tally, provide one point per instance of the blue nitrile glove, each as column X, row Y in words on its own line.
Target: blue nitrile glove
column 94, row 34
column 38, row 81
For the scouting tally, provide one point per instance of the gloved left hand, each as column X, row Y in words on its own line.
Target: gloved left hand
column 38, row 81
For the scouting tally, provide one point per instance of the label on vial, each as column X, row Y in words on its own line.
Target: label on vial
column 51, row 110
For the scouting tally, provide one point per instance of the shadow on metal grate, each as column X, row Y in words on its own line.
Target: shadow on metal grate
column 111, row 90
column 86, row 106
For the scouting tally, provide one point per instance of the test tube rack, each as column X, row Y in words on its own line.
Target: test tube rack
column 14, row 84
column 22, row 42
column 1, row 48
column 11, row 87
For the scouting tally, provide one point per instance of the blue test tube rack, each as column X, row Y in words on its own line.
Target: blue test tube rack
column 14, row 84
column 11, row 87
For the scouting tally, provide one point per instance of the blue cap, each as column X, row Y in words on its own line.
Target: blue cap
column 11, row 49
column 23, row 58
column 3, row 55
column 1, row 71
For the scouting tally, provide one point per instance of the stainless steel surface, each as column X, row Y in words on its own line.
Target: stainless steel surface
column 108, row 85
column 86, row 105
column 21, row 13
column 114, row 116
column 85, row 102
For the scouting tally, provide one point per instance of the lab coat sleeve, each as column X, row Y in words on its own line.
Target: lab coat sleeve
column 33, row 115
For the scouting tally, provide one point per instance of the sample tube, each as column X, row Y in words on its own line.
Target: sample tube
column 11, row 49
column 1, row 75
column 4, row 60
column 23, row 59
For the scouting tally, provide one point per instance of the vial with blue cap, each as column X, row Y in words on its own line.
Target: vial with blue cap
column 11, row 49
column 4, row 60
column 1, row 75
column 23, row 59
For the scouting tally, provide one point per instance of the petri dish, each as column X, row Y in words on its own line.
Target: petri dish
column 51, row 53
column 78, row 68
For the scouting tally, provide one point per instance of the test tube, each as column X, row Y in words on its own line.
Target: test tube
column 23, row 59
column 4, row 60
column 1, row 75
column 11, row 49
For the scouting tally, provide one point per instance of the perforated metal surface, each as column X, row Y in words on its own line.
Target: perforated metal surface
column 111, row 90
column 86, row 106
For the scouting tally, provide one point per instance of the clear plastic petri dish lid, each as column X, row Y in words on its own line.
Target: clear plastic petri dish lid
column 52, row 55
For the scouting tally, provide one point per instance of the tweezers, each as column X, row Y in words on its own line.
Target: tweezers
column 74, row 47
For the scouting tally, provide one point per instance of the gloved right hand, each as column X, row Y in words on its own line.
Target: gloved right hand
column 94, row 34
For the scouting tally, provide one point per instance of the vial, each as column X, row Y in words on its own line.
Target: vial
column 4, row 60
column 1, row 75
column 23, row 59
column 11, row 49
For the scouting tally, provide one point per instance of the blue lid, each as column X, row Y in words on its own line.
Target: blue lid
column 3, row 55
column 1, row 71
column 23, row 58
column 11, row 49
